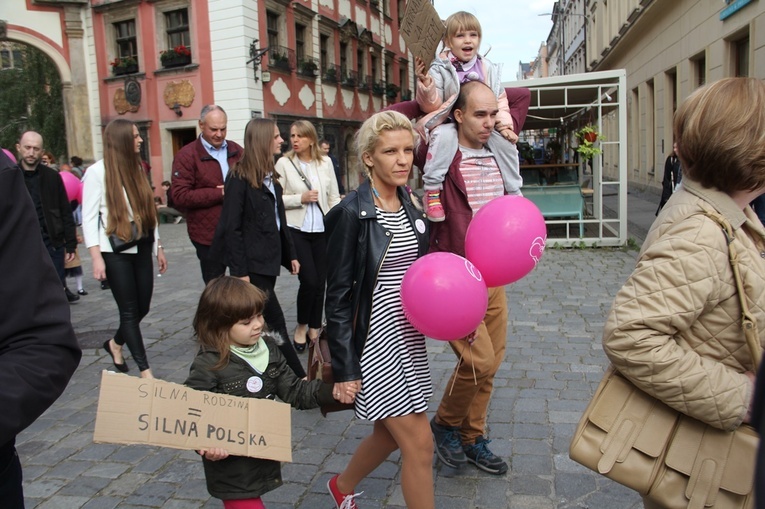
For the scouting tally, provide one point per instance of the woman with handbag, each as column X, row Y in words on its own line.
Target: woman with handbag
column 119, row 223
column 373, row 236
column 252, row 237
column 310, row 190
column 676, row 330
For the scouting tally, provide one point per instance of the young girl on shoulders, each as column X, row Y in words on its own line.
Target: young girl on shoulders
column 237, row 358
column 437, row 90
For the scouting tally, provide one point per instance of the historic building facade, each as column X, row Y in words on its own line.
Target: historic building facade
column 333, row 62
column 669, row 48
column 158, row 62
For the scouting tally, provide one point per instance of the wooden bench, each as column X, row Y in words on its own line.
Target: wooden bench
column 558, row 201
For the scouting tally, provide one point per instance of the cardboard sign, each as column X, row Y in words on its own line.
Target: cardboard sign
column 422, row 29
column 135, row 410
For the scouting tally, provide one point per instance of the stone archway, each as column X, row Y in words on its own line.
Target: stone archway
column 73, row 80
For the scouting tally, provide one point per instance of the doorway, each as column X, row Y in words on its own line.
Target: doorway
column 181, row 138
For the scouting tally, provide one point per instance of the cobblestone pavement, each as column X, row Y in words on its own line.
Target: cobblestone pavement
column 553, row 364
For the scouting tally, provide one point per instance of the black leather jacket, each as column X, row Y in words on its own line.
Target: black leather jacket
column 356, row 246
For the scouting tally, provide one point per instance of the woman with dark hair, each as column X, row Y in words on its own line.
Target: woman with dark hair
column 310, row 190
column 117, row 197
column 252, row 237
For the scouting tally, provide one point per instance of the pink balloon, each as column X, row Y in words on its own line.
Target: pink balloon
column 506, row 239
column 444, row 296
column 73, row 186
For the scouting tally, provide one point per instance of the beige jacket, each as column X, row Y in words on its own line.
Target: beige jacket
column 675, row 326
column 294, row 187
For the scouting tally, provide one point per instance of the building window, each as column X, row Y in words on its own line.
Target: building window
column 373, row 68
column 343, row 58
column 401, row 9
column 272, row 27
column 5, row 59
column 299, row 41
column 742, row 57
column 324, row 51
column 700, row 70
column 177, row 27
column 360, row 62
column 126, row 39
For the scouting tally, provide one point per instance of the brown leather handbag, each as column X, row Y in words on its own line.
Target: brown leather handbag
column 671, row 459
column 320, row 367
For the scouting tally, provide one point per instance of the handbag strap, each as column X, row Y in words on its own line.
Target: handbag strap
column 748, row 323
column 302, row 175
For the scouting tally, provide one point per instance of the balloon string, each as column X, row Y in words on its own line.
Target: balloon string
column 472, row 364
column 459, row 363
column 454, row 375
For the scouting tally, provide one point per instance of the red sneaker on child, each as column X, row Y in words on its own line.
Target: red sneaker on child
column 433, row 208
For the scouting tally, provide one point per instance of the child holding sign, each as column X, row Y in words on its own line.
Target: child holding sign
column 236, row 358
column 437, row 90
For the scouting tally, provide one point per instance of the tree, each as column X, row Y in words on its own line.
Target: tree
column 31, row 99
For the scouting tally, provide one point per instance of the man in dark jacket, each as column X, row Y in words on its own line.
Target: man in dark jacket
column 324, row 148
column 199, row 171
column 472, row 180
column 38, row 349
column 54, row 213
column 673, row 175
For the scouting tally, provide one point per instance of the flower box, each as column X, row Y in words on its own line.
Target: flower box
column 124, row 65
column 175, row 57
column 176, row 61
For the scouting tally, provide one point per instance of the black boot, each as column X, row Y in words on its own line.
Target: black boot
column 70, row 296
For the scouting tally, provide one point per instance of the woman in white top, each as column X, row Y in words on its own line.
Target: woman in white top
column 117, row 194
column 310, row 190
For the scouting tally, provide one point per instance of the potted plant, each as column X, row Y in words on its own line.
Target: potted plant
column 406, row 95
column 330, row 75
column 378, row 88
column 175, row 57
column 124, row 65
column 280, row 61
column 588, row 133
column 391, row 90
column 587, row 137
column 309, row 68
column 349, row 80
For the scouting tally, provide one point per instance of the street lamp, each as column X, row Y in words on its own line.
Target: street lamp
column 561, row 45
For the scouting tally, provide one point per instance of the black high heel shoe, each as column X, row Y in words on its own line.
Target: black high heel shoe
column 123, row 368
column 300, row 347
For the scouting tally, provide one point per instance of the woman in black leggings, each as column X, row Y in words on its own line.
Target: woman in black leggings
column 310, row 190
column 116, row 197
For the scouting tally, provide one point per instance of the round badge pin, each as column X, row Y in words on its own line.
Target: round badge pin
column 420, row 225
column 254, row 384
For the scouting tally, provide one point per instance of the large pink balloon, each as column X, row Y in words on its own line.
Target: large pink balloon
column 73, row 186
column 506, row 239
column 444, row 296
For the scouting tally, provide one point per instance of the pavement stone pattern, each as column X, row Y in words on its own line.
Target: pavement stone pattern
column 553, row 364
